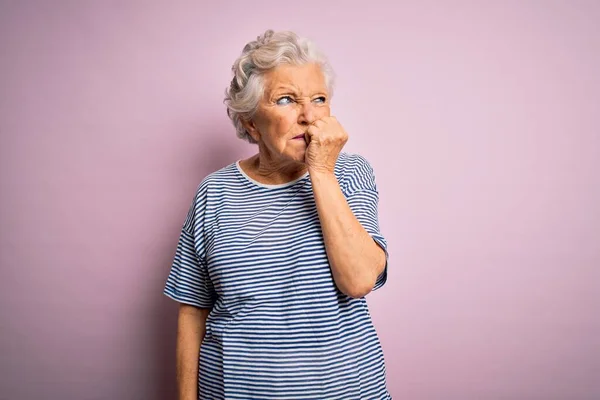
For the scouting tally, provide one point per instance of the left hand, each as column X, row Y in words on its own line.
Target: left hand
column 325, row 138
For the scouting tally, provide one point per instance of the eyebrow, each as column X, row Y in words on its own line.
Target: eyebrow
column 284, row 90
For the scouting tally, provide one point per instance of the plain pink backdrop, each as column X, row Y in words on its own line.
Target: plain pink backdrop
column 480, row 119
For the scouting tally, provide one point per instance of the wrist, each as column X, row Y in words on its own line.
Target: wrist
column 322, row 178
column 320, row 171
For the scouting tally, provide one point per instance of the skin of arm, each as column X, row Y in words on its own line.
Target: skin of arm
column 191, row 328
column 356, row 259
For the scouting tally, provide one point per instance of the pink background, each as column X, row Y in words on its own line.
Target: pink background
column 480, row 119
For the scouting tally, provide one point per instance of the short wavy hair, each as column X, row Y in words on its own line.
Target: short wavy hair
column 259, row 56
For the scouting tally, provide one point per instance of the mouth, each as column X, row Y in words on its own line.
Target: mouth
column 299, row 137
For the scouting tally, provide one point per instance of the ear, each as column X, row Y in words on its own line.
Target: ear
column 250, row 126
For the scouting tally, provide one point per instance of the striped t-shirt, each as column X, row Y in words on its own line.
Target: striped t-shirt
column 279, row 327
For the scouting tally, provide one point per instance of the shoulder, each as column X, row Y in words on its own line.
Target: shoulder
column 216, row 180
column 352, row 162
column 352, row 166
column 206, row 191
column 354, row 172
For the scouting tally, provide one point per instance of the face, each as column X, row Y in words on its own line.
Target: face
column 294, row 97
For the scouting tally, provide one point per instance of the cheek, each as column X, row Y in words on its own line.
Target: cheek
column 286, row 121
column 325, row 111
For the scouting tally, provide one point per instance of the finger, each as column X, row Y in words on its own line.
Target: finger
column 317, row 123
column 311, row 133
column 313, row 130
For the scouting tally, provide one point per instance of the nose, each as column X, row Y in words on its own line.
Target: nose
column 307, row 113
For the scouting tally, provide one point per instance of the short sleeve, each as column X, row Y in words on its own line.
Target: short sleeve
column 363, row 198
column 188, row 281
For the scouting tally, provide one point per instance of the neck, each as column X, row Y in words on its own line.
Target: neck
column 267, row 170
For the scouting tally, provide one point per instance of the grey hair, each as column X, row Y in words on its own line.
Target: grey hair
column 259, row 56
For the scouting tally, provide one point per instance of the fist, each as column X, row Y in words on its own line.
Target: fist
column 325, row 138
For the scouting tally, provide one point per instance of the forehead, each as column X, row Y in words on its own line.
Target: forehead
column 306, row 78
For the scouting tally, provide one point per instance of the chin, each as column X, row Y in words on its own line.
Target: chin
column 298, row 156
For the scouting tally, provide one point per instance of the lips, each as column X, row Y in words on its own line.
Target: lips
column 299, row 137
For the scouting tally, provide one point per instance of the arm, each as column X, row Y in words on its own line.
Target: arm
column 356, row 259
column 191, row 327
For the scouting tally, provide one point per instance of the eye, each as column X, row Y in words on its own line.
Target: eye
column 321, row 99
column 281, row 101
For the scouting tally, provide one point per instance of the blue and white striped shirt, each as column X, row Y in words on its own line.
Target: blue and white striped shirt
column 279, row 328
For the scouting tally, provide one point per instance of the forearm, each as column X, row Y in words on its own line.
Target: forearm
column 191, row 327
column 355, row 258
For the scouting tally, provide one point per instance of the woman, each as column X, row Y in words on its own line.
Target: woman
column 278, row 250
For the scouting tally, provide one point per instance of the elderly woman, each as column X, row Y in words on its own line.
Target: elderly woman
column 278, row 250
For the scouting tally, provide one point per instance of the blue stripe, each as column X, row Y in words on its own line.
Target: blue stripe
column 278, row 328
